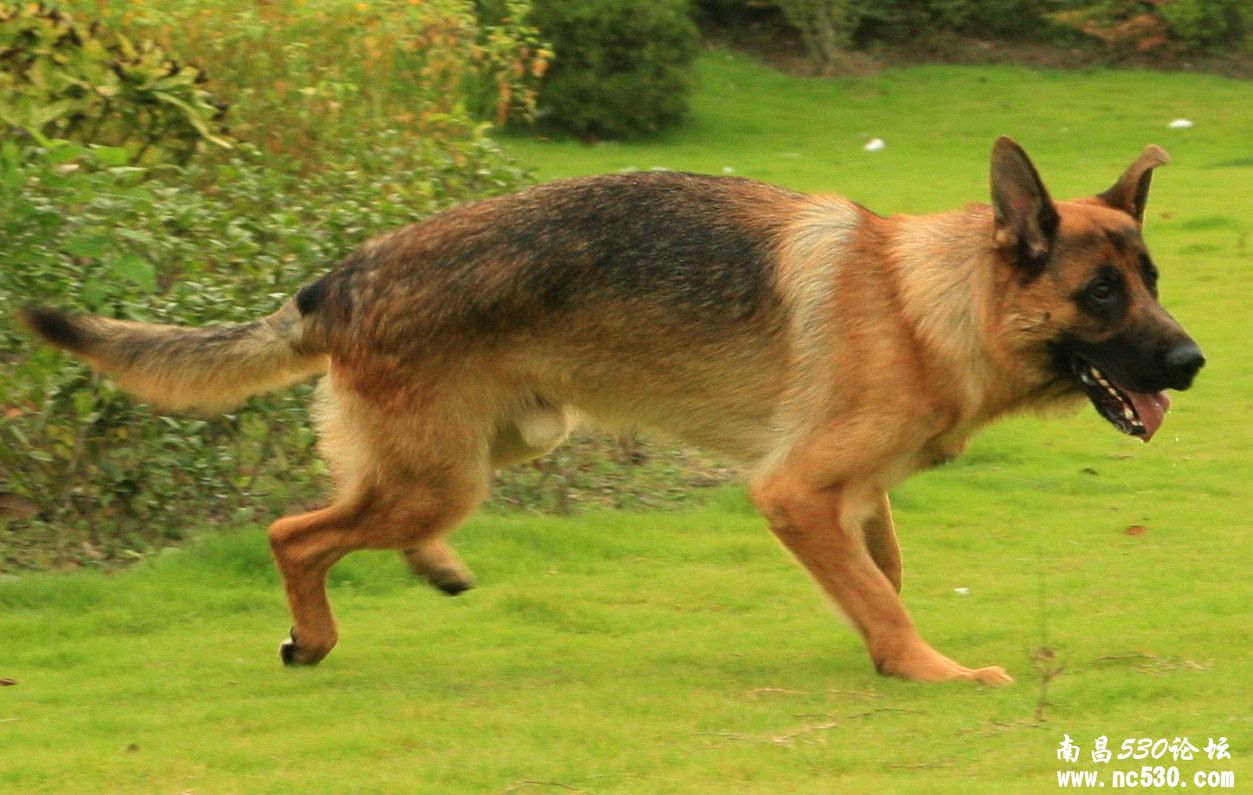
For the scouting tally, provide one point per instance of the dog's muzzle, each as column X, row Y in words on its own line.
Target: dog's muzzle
column 1138, row 413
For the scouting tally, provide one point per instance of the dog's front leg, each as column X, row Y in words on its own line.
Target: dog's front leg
column 826, row 529
column 881, row 542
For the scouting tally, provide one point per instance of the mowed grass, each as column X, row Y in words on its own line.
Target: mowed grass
column 684, row 652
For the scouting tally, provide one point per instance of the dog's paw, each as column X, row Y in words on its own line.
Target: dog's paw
column 287, row 652
column 453, row 587
column 993, row 675
column 450, row 580
column 921, row 663
column 291, row 653
column 287, row 649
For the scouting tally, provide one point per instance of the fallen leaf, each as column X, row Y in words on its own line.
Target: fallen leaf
column 1136, row 530
column 7, row 682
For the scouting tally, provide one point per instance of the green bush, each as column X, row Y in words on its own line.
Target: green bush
column 62, row 79
column 622, row 68
column 87, row 473
column 826, row 27
column 1206, row 24
column 723, row 14
column 308, row 79
column 1216, row 27
column 914, row 20
column 975, row 17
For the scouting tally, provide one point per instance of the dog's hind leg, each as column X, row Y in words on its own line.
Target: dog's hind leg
column 522, row 438
column 305, row 547
column 882, row 544
column 405, row 483
column 440, row 565
column 390, row 515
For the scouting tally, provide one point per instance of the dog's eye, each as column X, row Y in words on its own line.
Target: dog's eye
column 1102, row 291
column 1105, row 295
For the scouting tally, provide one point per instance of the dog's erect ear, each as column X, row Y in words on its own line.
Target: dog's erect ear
column 1025, row 218
column 1131, row 192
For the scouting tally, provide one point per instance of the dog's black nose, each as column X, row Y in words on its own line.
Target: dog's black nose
column 1182, row 363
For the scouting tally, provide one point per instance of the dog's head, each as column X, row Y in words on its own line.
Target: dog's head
column 1081, row 293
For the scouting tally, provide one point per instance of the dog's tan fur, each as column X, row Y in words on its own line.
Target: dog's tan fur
column 849, row 351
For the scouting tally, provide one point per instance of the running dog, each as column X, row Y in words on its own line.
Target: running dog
column 829, row 350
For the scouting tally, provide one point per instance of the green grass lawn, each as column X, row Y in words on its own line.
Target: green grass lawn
column 684, row 652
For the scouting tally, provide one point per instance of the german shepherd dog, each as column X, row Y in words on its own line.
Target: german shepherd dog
column 829, row 350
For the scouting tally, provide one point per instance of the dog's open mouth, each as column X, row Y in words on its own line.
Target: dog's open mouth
column 1135, row 413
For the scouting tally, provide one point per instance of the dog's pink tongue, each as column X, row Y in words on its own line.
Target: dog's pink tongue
column 1151, row 409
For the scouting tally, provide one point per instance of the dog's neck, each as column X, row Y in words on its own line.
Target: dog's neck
column 946, row 270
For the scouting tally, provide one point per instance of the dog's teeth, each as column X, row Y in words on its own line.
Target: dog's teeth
column 1128, row 413
column 1096, row 375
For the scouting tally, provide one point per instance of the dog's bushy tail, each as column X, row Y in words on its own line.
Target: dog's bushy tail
column 177, row 367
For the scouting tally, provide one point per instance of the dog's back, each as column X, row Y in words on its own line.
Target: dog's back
column 699, row 249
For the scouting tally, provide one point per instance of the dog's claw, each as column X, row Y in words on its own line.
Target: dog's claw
column 292, row 652
column 287, row 649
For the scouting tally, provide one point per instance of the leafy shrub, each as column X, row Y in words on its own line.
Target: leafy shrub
column 829, row 26
column 903, row 19
column 1206, row 24
column 721, row 14
column 310, row 79
column 1123, row 26
column 1145, row 25
column 94, row 474
column 826, row 27
column 621, row 68
column 61, row 79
